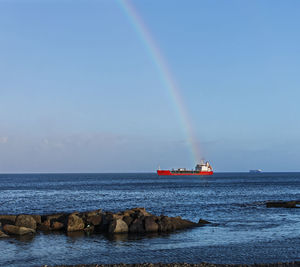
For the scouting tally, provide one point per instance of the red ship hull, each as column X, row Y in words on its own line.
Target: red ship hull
column 167, row 172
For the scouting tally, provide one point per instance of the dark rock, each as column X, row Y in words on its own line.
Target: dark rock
column 168, row 224
column 89, row 228
column 44, row 226
column 37, row 218
column 137, row 226
column 107, row 217
column 56, row 226
column 164, row 224
column 75, row 223
column 141, row 212
column 26, row 221
column 7, row 219
column 282, row 204
column 117, row 226
column 2, row 235
column 55, row 217
column 128, row 219
column 54, row 222
column 92, row 213
column 203, row 222
column 17, row 230
column 179, row 223
column 94, row 220
column 150, row 224
column 128, row 212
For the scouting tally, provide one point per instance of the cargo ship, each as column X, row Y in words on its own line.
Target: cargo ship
column 204, row 168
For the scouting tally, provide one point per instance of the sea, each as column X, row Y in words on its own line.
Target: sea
column 243, row 230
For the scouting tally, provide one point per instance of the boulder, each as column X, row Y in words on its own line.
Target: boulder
column 128, row 212
column 7, row 219
column 118, row 215
column 54, row 222
column 164, row 224
column 17, row 230
column 94, row 220
column 26, row 221
column 141, row 211
column 55, row 217
column 117, row 226
column 203, row 222
column 107, row 217
column 128, row 219
column 178, row 223
column 89, row 229
column 2, row 235
column 37, row 218
column 168, row 224
column 75, row 223
column 92, row 213
column 137, row 226
column 56, row 226
column 44, row 226
column 150, row 224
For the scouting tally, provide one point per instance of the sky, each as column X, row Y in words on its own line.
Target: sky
column 80, row 91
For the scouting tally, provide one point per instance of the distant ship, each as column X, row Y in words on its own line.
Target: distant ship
column 255, row 171
column 200, row 169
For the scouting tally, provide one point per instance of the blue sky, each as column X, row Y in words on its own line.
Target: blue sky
column 79, row 91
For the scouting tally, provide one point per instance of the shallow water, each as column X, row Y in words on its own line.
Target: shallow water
column 245, row 231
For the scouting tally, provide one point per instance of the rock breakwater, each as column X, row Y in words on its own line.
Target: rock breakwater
column 136, row 221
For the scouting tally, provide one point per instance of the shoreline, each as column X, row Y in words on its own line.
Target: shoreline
column 203, row 264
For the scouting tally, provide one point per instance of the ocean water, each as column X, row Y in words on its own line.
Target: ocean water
column 243, row 229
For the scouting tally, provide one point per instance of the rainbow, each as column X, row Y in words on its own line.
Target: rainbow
column 165, row 74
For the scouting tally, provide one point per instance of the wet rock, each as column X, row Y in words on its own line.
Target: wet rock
column 89, row 229
column 17, row 230
column 37, row 218
column 60, row 217
column 94, row 220
column 137, row 226
column 203, row 222
column 75, row 223
column 117, row 226
column 107, row 217
column 179, row 223
column 128, row 213
column 55, row 222
column 2, row 235
column 7, row 219
column 127, row 219
column 168, row 224
column 92, row 217
column 26, row 221
column 57, row 226
column 118, row 216
column 283, row 204
column 92, row 213
column 150, row 224
column 141, row 212
column 44, row 226
column 164, row 224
